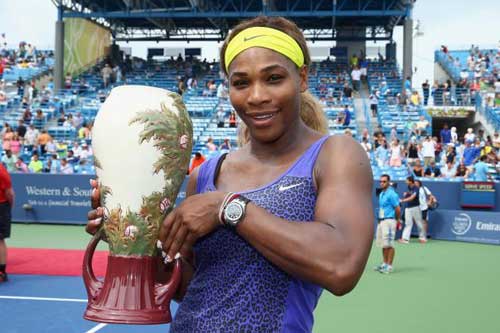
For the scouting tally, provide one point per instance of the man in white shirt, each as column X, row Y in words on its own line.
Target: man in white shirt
column 66, row 168
column 422, row 125
column 448, row 171
column 356, row 78
column 428, row 151
column 31, row 137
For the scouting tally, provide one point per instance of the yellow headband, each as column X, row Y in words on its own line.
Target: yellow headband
column 268, row 38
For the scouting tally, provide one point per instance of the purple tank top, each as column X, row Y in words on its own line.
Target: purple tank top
column 234, row 287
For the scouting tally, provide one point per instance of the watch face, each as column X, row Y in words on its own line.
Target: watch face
column 233, row 212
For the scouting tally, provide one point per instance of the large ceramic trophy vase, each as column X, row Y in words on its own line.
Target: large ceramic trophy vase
column 142, row 141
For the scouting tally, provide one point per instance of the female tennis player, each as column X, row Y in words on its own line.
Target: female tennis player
column 266, row 228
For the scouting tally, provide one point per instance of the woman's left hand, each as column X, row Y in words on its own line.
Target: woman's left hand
column 195, row 217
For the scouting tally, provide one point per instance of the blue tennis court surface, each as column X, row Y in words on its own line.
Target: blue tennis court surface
column 55, row 304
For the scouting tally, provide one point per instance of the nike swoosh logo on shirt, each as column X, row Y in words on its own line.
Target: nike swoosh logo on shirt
column 246, row 39
column 284, row 188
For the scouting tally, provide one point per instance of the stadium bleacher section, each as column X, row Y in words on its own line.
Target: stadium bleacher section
column 397, row 115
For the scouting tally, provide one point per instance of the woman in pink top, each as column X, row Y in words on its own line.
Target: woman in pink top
column 395, row 154
column 15, row 145
column 7, row 138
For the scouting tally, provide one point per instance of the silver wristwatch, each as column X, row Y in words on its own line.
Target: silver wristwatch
column 234, row 212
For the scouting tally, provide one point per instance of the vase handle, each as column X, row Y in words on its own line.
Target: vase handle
column 91, row 283
column 165, row 292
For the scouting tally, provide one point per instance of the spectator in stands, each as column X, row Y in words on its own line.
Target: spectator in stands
column 412, row 212
column 65, row 167
column 7, row 138
column 486, row 148
column 20, row 86
column 367, row 146
column 425, row 90
column 449, row 171
column 480, row 170
column 226, row 145
column 454, row 135
column 106, row 75
column 85, row 131
column 3, row 97
column 394, row 133
column 86, row 152
column 181, row 86
column 347, row 116
column 450, row 153
column 15, row 145
column 68, row 122
column 412, row 151
column 9, row 161
column 382, row 155
column 53, row 165
column 21, row 129
column 51, row 146
column 418, row 170
column 31, row 137
column 43, row 139
column 469, row 136
column 461, row 170
column 396, row 154
column 438, row 148
column 347, row 92
column 222, row 91
column 428, row 150
column 39, row 117
column 68, row 81
column 407, row 86
column 421, row 126
column 374, row 103
column 432, row 170
column 388, row 217
column 363, row 64
column 232, row 119
column 21, row 166
column 356, row 78
column 496, row 140
column 35, row 166
column 210, row 144
column 415, row 98
column 197, row 160
column 71, row 158
column 470, row 154
column 77, row 120
column 221, row 117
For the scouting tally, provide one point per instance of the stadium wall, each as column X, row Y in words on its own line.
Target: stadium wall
column 65, row 199
column 85, row 44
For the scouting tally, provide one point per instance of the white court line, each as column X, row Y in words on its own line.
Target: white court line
column 45, row 299
column 97, row 328
column 92, row 330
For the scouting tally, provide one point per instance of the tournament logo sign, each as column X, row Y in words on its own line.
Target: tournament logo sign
column 461, row 224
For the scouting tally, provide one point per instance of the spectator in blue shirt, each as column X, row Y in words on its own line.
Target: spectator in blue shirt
column 481, row 170
column 445, row 135
column 347, row 116
column 389, row 215
column 408, row 85
column 470, row 153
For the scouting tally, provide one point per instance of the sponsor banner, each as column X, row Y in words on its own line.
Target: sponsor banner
column 51, row 198
column 63, row 199
column 478, row 195
column 466, row 226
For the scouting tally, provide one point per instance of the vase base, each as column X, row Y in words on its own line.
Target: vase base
column 131, row 317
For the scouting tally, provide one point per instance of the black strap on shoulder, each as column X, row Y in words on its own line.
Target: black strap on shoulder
column 218, row 166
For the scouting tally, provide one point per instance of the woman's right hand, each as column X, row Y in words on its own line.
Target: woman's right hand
column 94, row 217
